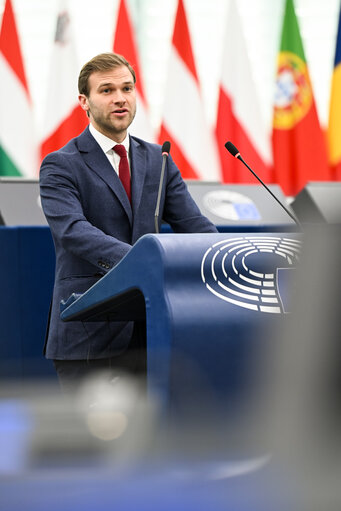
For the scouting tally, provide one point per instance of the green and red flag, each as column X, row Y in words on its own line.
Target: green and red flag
column 299, row 146
column 18, row 144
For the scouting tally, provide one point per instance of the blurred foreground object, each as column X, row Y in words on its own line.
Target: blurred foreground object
column 278, row 450
column 305, row 403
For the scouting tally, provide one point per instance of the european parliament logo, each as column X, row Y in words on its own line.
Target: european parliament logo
column 231, row 205
column 233, row 271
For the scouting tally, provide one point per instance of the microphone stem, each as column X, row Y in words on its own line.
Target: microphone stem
column 273, row 195
column 157, row 209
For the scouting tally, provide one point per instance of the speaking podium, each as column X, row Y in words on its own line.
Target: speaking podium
column 207, row 300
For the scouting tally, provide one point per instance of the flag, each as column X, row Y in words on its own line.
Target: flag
column 18, row 146
column 64, row 118
column 194, row 147
column 334, row 126
column 299, row 147
column 124, row 44
column 239, row 117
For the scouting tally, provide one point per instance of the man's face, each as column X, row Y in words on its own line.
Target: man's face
column 111, row 102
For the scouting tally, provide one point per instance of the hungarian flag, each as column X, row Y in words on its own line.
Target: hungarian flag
column 299, row 147
column 65, row 118
column 239, row 118
column 18, row 146
column 124, row 44
column 334, row 128
column 193, row 147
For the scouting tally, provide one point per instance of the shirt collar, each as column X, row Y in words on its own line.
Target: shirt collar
column 105, row 142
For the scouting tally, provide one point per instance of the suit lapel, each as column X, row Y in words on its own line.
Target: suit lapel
column 95, row 159
column 138, row 171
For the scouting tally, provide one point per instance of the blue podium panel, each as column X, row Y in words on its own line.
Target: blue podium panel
column 10, row 345
column 26, row 273
column 207, row 300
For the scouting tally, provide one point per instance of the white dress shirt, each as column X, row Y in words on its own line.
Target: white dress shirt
column 106, row 144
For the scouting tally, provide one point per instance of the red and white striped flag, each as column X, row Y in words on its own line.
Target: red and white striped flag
column 239, row 117
column 124, row 44
column 64, row 118
column 18, row 145
column 184, row 125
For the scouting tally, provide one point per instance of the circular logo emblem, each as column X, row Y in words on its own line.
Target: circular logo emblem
column 230, row 205
column 293, row 93
column 233, row 271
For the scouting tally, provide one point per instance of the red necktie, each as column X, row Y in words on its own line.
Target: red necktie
column 123, row 169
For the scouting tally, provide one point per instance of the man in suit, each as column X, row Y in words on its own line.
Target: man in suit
column 93, row 221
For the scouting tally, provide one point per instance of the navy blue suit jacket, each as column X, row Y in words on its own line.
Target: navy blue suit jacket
column 93, row 226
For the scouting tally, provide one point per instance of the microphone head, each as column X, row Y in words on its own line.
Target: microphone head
column 232, row 149
column 166, row 147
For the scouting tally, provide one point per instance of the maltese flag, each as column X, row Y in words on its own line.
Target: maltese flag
column 184, row 125
column 239, row 118
column 124, row 44
column 65, row 118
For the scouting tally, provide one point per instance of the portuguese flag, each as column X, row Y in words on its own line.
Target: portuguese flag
column 299, row 147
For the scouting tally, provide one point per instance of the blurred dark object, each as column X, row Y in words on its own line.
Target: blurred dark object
column 319, row 202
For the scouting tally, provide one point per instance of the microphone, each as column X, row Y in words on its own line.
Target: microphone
column 234, row 151
column 165, row 153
